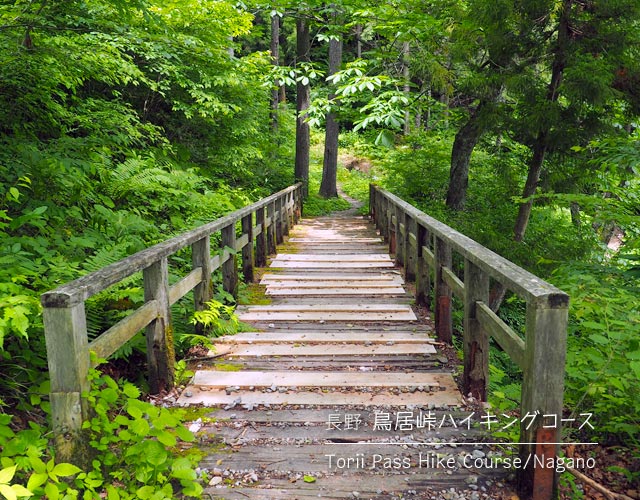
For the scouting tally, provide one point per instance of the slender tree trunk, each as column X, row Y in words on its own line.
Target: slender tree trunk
column 463, row 145
column 406, row 51
column 303, row 98
column 275, row 56
column 328, row 186
column 540, row 145
column 359, row 41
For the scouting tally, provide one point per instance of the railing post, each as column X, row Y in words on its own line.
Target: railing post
column 278, row 221
column 247, row 250
column 68, row 357
column 443, row 320
column 423, row 278
column 476, row 340
column 410, row 252
column 203, row 292
column 261, row 238
column 372, row 207
column 160, row 349
column 271, row 228
column 542, row 391
column 230, row 267
column 385, row 227
column 401, row 232
column 284, row 211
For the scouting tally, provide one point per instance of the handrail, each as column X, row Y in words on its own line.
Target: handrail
column 263, row 225
column 425, row 247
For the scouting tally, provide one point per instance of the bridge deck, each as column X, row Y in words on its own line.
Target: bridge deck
column 340, row 391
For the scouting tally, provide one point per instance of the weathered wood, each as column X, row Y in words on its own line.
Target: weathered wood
column 509, row 340
column 332, row 291
column 319, row 264
column 203, row 292
column 438, row 398
column 410, row 248
column 400, row 236
column 542, row 386
column 423, row 275
column 123, row 331
column 429, row 257
column 81, row 289
column 68, row 360
column 271, row 228
column 185, row 285
column 354, row 279
column 475, row 378
column 326, row 337
column 278, row 221
column 357, row 257
column 247, row 250
column 212, row 378
column 261, row 238
column 454, row 283
column 298, row 349
column 377, row 312
column 230, row 267
column 160, row 351
column 242, row 242
column 444, row 324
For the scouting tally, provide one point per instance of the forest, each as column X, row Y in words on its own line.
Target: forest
column 126, row 122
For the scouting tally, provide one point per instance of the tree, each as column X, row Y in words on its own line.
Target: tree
column 328, row 185
column 303, row 98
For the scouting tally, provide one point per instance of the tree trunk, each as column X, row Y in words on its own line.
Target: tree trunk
column 463, row 145
column 275, row 56
column 303, row 98
column 540, row 145
column 406, row 52
column 328, row 186
column 359, row 41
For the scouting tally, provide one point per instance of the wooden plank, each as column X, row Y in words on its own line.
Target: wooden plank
column 299, row 257
column 212, row 378
column 185, row 285
column 230, row 267
column 332, row 291
column 123, row 331
column 330, row 265
column 208, row 397
column 456, row 285
column 385, row 277
column 348, row 337
column 328, row 350
column 337, row 312
column 503, row 334
column 334, row 240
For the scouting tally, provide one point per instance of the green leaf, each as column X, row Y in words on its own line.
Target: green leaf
column 145, row 492
column 6, row 475
column 21, row 491
column 7, row 492
column 51, row 491
column 309, row 479
column 599, row 339
column 66, row 469
column 36, row 480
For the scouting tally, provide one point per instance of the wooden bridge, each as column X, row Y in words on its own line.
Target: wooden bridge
column 340, row 390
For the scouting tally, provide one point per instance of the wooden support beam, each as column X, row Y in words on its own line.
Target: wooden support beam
column 444, row 324
column 230, row 267
column 68, row 359
column 542, row 392
column 271, row 228
column 423, row 277
column 160, row 349
column 261, row 238
column 247, row 250
column 203, row 292
column 410, row 247
column 475, row 379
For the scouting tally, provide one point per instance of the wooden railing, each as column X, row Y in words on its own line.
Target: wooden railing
column 263, row 225
column 427, row 249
